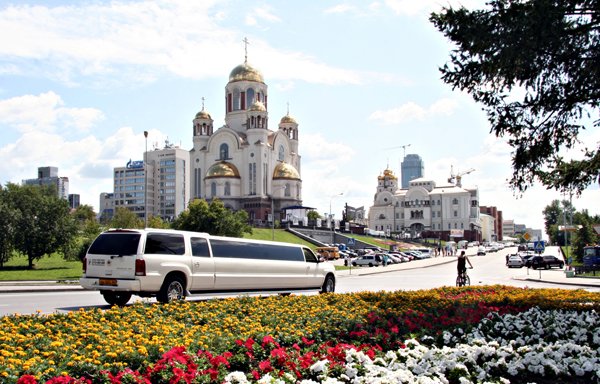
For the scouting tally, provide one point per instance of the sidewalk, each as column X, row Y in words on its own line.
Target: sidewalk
column 39, row 286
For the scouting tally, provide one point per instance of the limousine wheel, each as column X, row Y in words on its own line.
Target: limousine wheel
column 328, row 285
column 172, row 289
column 116, row 298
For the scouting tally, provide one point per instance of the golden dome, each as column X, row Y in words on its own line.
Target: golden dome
column 203, row 115
column 389, row 174
column 244, row 72
column 222, row 169
column 288, row 119
column 258, row 106
column 285, row 171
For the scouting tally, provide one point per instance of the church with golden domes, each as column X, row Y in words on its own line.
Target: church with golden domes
column 244, row 163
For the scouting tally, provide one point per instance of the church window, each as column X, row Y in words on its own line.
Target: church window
column 250, row 96
column 223, row 152
column 243, row 100
column 213, row 189
column 287, row 190
column 281, row 153
column 455, row 201
column 227, row 189
column 455, row 213
column 236, row 100
column 462, row 225
column 381, row 217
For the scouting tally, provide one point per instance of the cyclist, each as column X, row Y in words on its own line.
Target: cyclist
column 461, row 265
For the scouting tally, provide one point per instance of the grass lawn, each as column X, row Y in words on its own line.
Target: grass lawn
column 52, row 267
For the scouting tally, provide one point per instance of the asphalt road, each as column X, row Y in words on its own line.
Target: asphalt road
column 488, row 270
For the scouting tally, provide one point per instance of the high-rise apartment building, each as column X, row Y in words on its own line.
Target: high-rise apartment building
column 412, row 168
column 168, row 188
column 49, row 176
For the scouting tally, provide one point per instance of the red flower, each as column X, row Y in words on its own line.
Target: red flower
column 27, row 379
column 265, row 366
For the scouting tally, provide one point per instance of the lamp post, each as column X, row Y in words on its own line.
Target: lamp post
column 146, row 181
column 330, row 215
column 273, row 211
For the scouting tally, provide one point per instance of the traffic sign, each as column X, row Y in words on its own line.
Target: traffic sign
column 539, row 246
column 527, row 236
column 351, row 241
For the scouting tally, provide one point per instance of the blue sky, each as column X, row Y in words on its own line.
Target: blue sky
column 80, row 81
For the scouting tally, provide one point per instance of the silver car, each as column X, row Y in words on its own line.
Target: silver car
column 370, row 260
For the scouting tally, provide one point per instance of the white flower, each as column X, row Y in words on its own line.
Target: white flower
column 236, row 377
column 319, row 366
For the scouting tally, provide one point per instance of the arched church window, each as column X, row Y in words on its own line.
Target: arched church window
column 236, row 100
column 287, row 190
column 250, row 96
column 381, row 217
column 455, row 201
column 227, row 189
column 223, row 152
column 213, row 189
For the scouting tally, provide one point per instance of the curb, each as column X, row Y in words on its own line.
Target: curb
column 582, row 284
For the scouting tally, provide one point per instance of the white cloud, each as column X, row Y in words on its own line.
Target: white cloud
column 412, row 111
column 136, row 42
column 45, row 112
column 340, row 8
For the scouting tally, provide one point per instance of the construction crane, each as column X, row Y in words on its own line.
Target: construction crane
column 458, row 176
column 400, row 146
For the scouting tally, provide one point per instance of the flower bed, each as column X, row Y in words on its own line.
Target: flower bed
column 448, row 335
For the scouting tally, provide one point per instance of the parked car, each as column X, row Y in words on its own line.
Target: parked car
column 546, row 262
column 514, row 261
column 370, row 260
column 394, row 258
column 481, row 251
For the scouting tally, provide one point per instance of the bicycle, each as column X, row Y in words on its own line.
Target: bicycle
column 463, row 279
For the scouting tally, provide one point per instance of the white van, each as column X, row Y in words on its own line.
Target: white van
column 172, row 264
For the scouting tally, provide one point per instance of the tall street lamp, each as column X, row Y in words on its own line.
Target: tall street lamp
column 273, row 210
column 330, row 215
column 146, row 181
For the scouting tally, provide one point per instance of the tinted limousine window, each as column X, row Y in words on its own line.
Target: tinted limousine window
column 165, row 243
column 244, row 250
column 115, row 244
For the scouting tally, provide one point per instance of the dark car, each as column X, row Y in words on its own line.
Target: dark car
column 546, row 262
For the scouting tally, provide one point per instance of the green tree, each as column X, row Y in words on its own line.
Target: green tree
column 213, row 218
column 44, row 224
column 124, row 218
column 9, row 218
column 88, row 229
column 534, row 67
column 584, row 236
column 157, row 222
column 84, row 213
column 313, row 215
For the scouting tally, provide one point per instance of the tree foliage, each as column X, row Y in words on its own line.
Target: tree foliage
column 157, row 222
column 534, row 66
column 213, row 218
column 313, row 215
column 42, row 221
column 124, row 218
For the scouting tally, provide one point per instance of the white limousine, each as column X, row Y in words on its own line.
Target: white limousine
column 171, row 264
